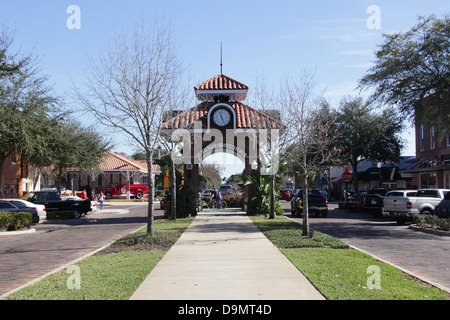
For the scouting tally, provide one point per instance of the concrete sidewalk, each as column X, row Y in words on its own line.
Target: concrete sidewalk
column 223, row 256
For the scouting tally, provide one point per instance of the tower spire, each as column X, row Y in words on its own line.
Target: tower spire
column 221, row 57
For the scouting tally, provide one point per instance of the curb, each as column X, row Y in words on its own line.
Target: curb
column 430, row 230
column 10, row 233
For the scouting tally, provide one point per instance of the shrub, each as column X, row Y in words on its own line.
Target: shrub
column 12, row 221
column 432, row 220
column 186, row 203
column 234, row 201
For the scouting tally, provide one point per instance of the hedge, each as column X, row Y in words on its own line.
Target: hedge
column 13, row 221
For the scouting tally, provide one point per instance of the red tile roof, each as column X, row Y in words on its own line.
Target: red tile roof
column 119, row 162
column 247, row 117
column 221, row 82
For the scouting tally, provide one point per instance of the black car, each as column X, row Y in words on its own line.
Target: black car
column 53, row 202
column 17, row 206
column 442, row 210
column 373, row 200
column 317, row 203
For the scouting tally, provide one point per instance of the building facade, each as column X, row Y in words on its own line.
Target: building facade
column 433, row 157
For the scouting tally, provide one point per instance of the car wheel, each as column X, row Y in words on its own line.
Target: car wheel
column 108, row 195
column 139, row 195
column 425, row 211
column 77, row 214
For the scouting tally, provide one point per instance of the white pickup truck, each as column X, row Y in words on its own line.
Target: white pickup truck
column 401, row 205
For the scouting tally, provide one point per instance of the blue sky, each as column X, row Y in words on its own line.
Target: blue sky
column 262, row 38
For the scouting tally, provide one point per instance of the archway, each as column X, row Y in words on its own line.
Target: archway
column 223, row 123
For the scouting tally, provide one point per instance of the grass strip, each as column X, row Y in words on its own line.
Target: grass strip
column 342, row 273
column 113, row 273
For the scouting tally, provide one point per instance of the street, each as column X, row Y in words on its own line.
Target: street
column 25, row 257
column 55, row 243
column 427, row 255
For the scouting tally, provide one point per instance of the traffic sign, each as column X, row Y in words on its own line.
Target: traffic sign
column 347, row 176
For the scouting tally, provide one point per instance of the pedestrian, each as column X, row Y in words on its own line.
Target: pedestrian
column 218, row 198
column 101, row 197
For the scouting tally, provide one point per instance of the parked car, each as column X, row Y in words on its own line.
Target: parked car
column 93, row 202
column 53, row 202
column 442, row 210
column 424, row 202
column 42, row 213
column 392, row 204
column 373, row 200
column 206, row 193
column 356, row 201
column 286, row 194
column 17, row 206
column 317, row 203
column 227, row 190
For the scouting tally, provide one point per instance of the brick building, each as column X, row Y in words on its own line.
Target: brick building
column 433, row 157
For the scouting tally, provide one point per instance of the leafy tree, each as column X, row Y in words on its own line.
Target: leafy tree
column 26, row 105
column 365, row 134
column 412, row 71
column 74, row 147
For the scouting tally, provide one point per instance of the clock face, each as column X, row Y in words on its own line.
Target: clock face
column 221, row 117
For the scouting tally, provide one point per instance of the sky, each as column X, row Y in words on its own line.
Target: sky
column 261, row 39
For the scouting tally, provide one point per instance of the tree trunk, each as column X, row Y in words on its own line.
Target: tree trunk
column 355, row 176
column 305, row 206
column 173, row 178
column 150, row 191
column 2, row 162
column 272, row 196
column 59, row 178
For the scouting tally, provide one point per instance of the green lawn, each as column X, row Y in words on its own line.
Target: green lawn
column 341, row 273
column 112, row 274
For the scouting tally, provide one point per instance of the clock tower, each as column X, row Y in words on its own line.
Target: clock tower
column 221, row 93
column 222, row 122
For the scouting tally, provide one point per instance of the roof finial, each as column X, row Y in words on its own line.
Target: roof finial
column 221, row 57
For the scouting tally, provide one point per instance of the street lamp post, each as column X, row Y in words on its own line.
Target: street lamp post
column 380, row 177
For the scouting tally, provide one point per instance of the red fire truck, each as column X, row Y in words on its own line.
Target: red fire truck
column 136, row 190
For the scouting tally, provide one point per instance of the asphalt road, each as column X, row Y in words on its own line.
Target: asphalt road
column 424, row 254
column 25, row 257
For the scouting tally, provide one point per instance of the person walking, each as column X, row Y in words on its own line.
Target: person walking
column 101, row 198
column 218, row 198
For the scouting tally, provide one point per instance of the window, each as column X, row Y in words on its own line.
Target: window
column 428, row 180
column 394, row 194
column 432, row 140
column 6, row 205
column 448, row 140
column 427, row 193
column 421, row 138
